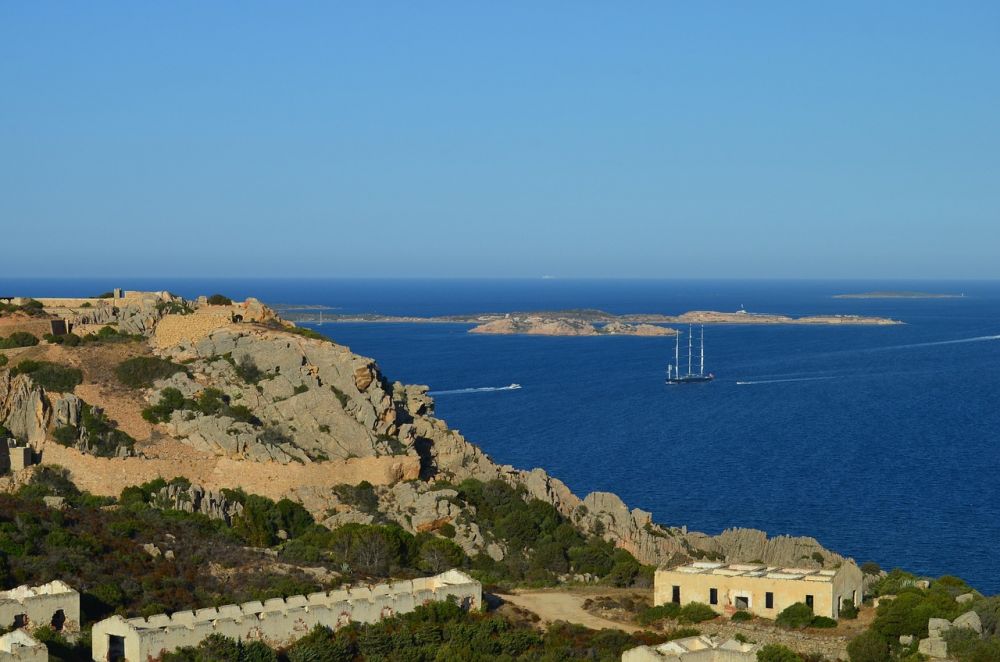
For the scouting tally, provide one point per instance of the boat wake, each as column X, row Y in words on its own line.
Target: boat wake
column 778, row 381
column 482, row 389
column 944, row 342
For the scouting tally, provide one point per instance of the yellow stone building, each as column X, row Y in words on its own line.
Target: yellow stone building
column 760, row 589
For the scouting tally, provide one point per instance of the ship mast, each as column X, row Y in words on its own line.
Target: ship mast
column 689, row 349
column 701, row 371
column 677, row 352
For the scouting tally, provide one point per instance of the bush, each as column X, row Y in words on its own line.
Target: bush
column 50, row 376
column 142, row 371
column 798, row 615
column 822, row 622
column 65, row 435
column 871, row 568
column 777, row 653
column 696, row 612
column 742, row 616
column 868, row 646
column 219, row 300
column 658, row 613
column 18, row 339
column 848, row 610
column 247, row 370
column 3, row 360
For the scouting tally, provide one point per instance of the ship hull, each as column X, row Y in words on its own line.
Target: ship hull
column 690, row 379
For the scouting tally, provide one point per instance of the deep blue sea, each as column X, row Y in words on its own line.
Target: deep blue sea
column 881, row 442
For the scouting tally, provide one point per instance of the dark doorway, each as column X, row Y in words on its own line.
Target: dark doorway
column 676, row 595
column 58, row 619
column 713, row 596
column 116, row 648
column 20, row 621
column 809, row 601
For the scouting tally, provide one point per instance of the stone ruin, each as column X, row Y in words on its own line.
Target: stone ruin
column 26, row 608
column 703, row 648
column 278, row 622
column 15, row 455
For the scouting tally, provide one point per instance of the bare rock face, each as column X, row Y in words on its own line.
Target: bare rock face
column 316, row 398
column 135, row 315
column 754, row 545
column 24, row 409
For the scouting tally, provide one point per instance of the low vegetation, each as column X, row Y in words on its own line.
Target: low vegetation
column 104, row 335
column 219, row 300
column 31, row 307
column 50, row 376
column 210, row 401
column 142, row 371
column 18, row 339
column 306, row 332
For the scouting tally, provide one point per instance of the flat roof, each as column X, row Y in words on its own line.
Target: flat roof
column 755, row 570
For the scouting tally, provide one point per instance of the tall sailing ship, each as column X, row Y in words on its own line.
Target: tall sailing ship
column 674, row 375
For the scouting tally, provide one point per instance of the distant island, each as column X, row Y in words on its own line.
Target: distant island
column 589, row 322
column 898, row 295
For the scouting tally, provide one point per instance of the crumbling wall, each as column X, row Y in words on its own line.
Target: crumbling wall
column 32, row 607
column 280, row 621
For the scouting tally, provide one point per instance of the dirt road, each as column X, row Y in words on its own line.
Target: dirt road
column 552, row 606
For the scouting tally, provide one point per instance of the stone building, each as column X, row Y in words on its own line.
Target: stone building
column 14, row 455
column 757, row 588
column 19, row 646
column 694, row 649
column 277, row 622
column 54, row 604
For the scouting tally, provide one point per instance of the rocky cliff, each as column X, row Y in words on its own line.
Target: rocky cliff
column 284, row 402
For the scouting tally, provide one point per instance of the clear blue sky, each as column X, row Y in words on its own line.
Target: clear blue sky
column 739, row 139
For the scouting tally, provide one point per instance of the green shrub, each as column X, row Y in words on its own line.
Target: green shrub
column 777, row 653
column 871, row 568
column 171, row 399
column 65, row 435
column 142, row 371
column 3, row 360
column 50, row 376
column 658, row 613
column 306, row 332
column 18, row 339
column 742, row 616
column 219, row 300
column 696, row 612
column 247, row 369
column 868, row 646
column 798, row 615
column 822, row 622
column 847, row 610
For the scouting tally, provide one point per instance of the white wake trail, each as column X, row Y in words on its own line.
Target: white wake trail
column 481, row 389
column 778, row 381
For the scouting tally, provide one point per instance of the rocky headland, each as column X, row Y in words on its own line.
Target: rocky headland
column 246, row 400
column 533, row 325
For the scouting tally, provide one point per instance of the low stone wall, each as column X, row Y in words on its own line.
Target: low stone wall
column 31, row 607
column 277, row 622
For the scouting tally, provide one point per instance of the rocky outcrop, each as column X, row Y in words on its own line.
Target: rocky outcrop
column 24, row 409
column 534, row 325
column 196, row 499
column 135, row 315
column 935, row 645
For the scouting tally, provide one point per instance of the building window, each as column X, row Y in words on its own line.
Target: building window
column 713, row 596
column 809, row 601
column 676, row 595
column 769, row 600
column 58, row 619
column 20, row 621
column 742, row 602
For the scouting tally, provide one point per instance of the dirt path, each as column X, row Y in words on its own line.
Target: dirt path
column 552, row 606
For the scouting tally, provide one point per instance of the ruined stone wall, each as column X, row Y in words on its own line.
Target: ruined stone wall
column 281, row 621
column 39, row 604
column 18, row 646
column 175, row 330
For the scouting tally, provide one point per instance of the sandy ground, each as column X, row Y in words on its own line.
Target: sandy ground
column 567, row 606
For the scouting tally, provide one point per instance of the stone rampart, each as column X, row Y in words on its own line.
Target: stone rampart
column 277, row 622
column 175, row 330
